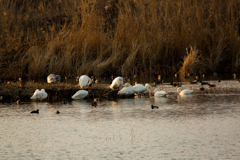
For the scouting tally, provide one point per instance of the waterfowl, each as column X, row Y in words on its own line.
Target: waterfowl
column 193, row 82
column 94, row 104
column 201, row 88
column 218, row 81
column 51, row 78
column 57, row 112
column 126, row 90
column 84, row 80
column 176, row 75
column 203, row 83
column 39, row 95
column 184, row 92
column 117, row 83
column 154, row 84
column 175, row 84
column 154, row 107
column 58, row 78
column 36, row 111
column 211, row 85
column 159, row 93
column 80, row 94
column 238, row 81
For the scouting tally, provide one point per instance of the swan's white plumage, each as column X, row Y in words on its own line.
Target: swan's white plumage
column 39, row 94
column 117, row 83
column 159, row 93
column 84, row 80
column 139, row 88
column 51, row 78
column 126, row 91
column 185, row 91
column 80, row 94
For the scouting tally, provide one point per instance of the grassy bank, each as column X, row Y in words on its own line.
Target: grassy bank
column 74, row 37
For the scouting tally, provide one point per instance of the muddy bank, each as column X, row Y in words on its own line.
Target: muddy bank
column 60, row 92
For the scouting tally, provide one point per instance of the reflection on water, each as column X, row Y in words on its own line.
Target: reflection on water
column 202, row 126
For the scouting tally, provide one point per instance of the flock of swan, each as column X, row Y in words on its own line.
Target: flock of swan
column 117, row 83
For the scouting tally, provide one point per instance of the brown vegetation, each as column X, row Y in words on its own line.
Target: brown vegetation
column 122, row 37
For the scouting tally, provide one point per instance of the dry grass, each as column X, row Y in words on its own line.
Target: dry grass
column 74, row 37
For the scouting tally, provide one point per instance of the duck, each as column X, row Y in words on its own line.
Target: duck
column 154, row 107
column 95, row 80
column 203, row 83
column 175, row 84
column 201, row 88
column 218, row 81
column 51, row 78
column 35, row 111
column 39, row 94
column 117, row 83
column 94, row 104
column 159, row 93
column 211, row 85
column 80, row 94
column 184, row 92
column 84, row 80
column 193, row 82
column 57, row 112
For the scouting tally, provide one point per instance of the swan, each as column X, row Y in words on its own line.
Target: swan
column 117, row 83
column 84, row 80
column 159, row 93
column 139, row 88
column 185, row 91
column 80, row 94
column 125, row 91
column 51, row 78
column 39, row 95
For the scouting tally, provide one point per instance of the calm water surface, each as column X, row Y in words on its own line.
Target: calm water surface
column 197, row 127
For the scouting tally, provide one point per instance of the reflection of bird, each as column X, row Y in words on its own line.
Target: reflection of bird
column 80, row 94
column 185, row 91
column 154, row 107
column 159, row 93
column 84, row 80
column 36, row 111
column 117, row 83
column 39, row 95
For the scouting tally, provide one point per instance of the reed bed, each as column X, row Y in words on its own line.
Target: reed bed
column 101, row 38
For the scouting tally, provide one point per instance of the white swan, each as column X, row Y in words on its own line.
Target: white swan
column 126, row 91
column 80, row 94
column 117, row 83
column 51, row 78
column 84, row 80
column 39, row 95
column 159, row 93
column 139, row 88
column 185, row 91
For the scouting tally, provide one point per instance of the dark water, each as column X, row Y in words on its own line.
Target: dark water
column 202, row 126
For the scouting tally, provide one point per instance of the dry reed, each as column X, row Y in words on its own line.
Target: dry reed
column 141, row 37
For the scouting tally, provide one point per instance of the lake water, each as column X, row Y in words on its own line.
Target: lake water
column 202, row 126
